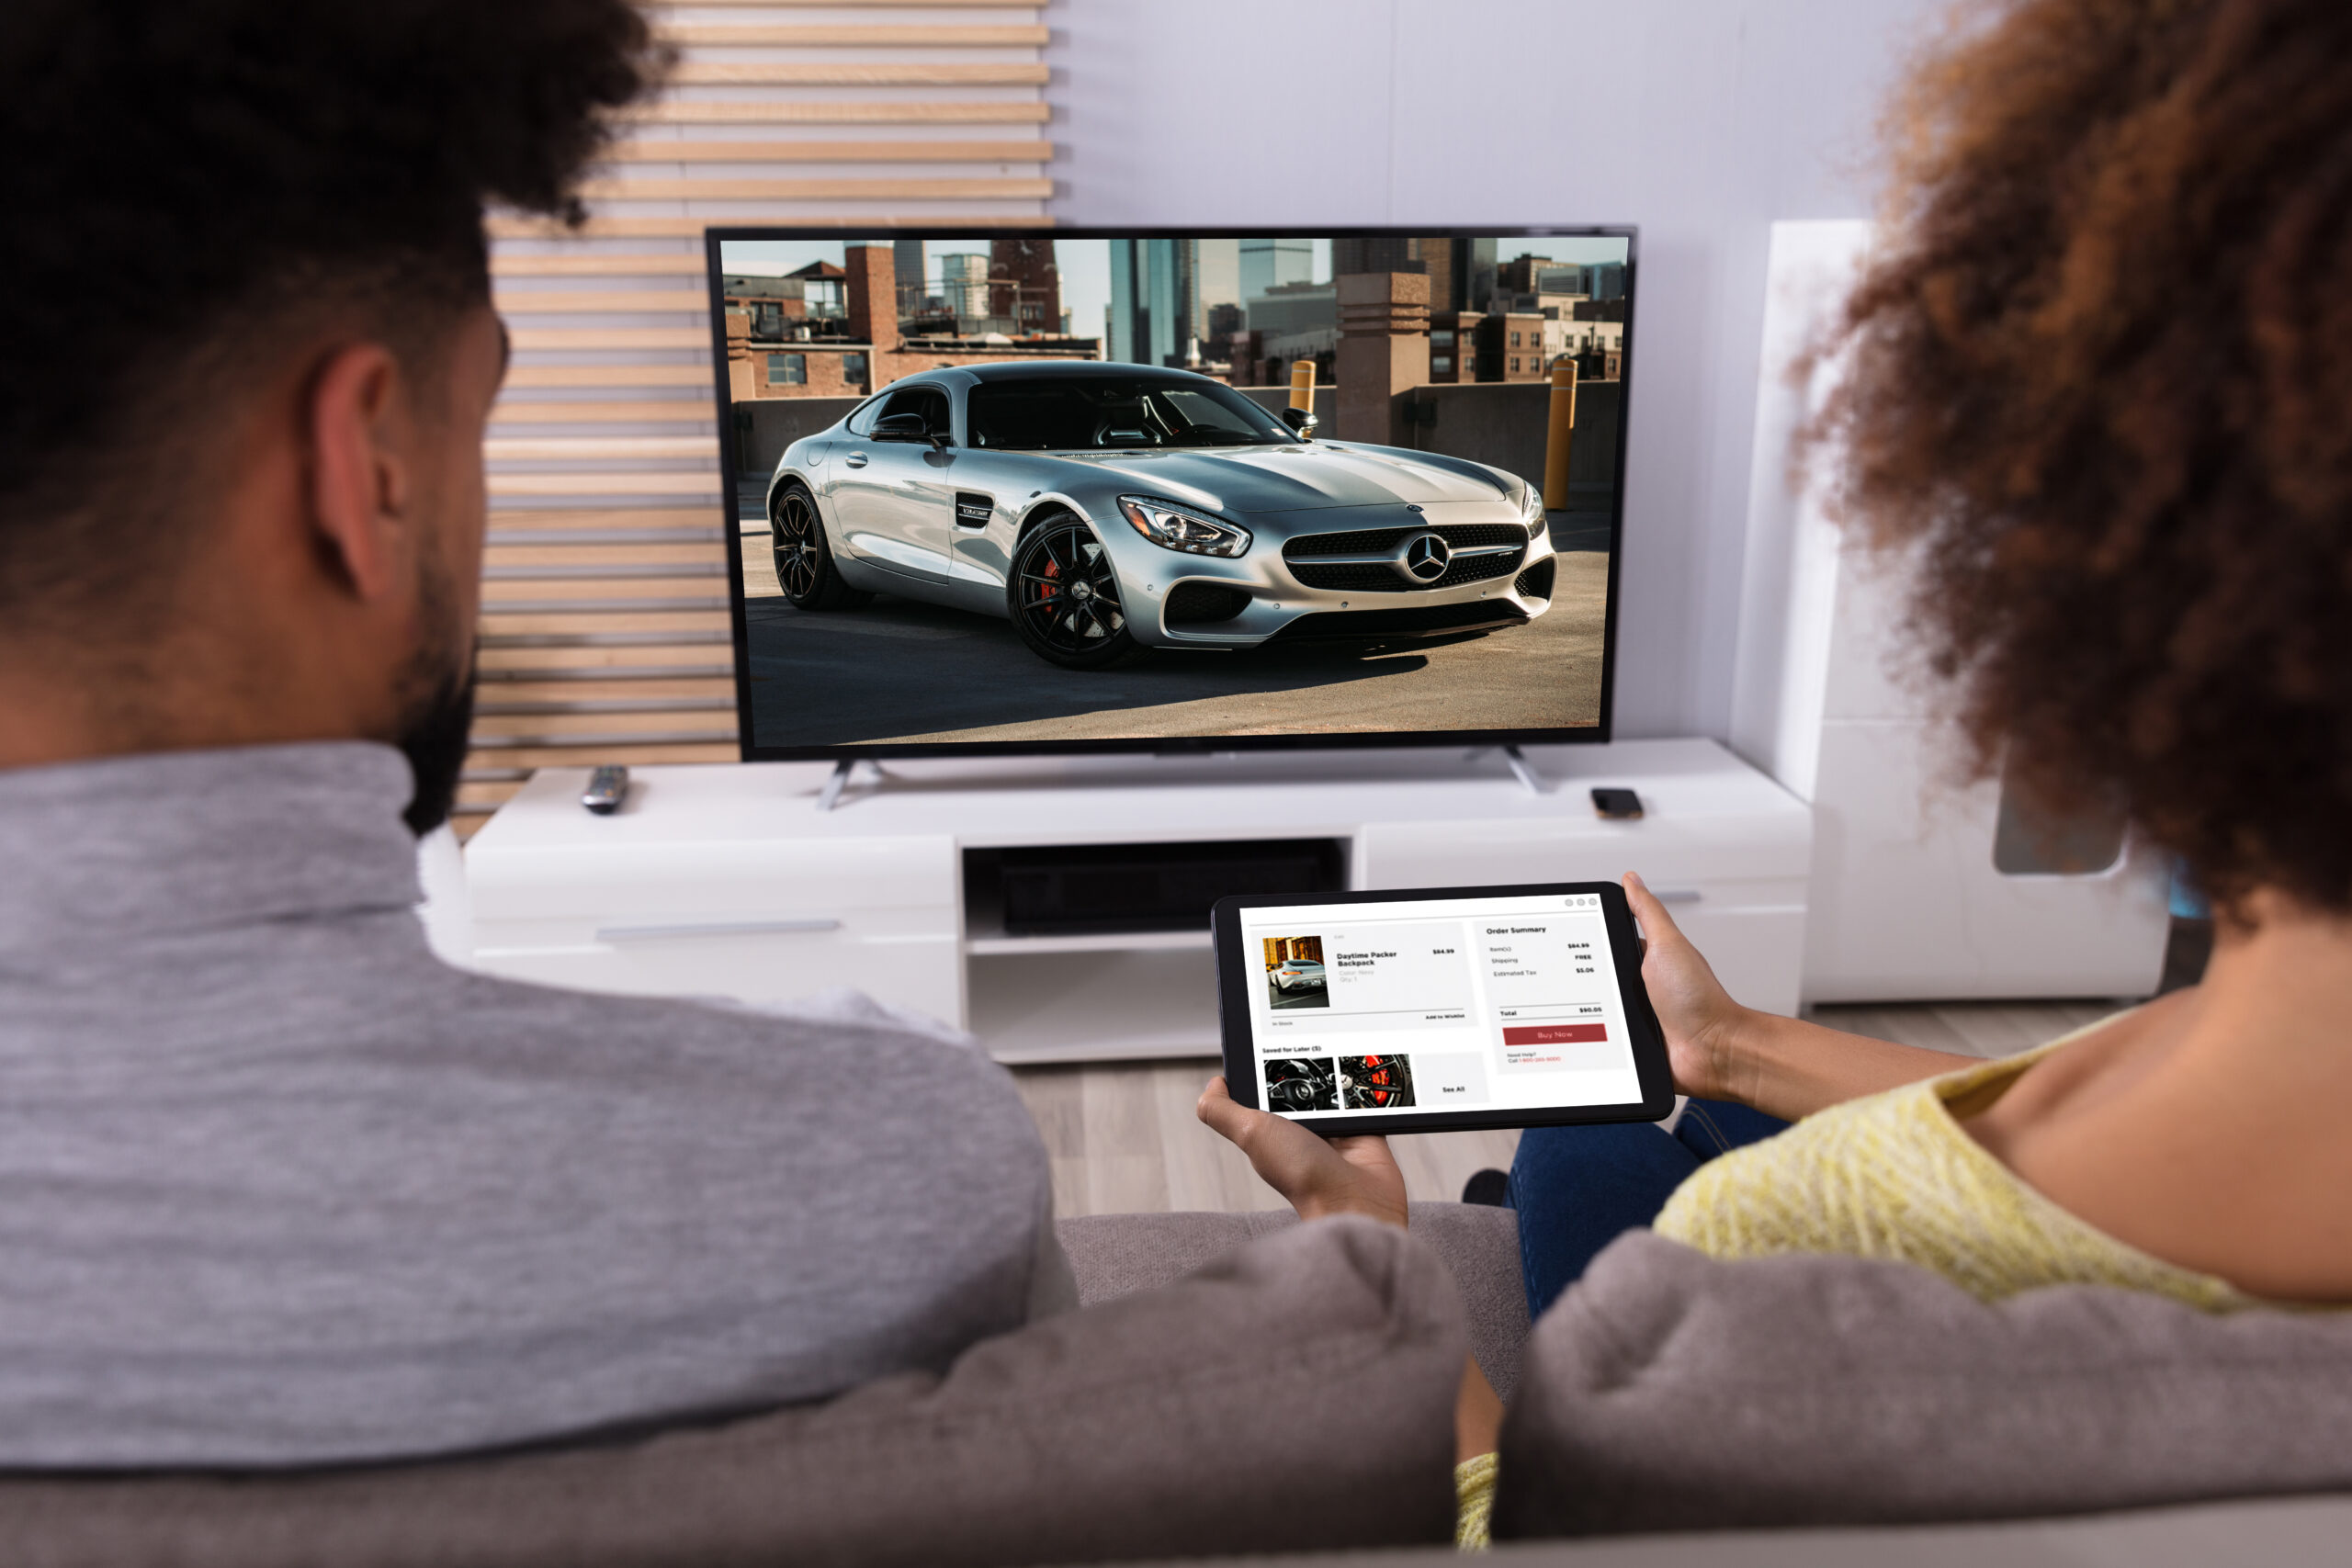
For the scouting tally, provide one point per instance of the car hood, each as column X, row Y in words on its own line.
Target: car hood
column 1305, row 478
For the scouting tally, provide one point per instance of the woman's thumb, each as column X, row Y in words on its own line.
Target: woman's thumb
column 1656, row 922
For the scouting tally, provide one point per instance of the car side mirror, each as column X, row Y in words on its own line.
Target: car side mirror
column 1299, row 420
column 902, row 427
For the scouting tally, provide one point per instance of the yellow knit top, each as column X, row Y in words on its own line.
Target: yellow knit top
column 1895, row 1176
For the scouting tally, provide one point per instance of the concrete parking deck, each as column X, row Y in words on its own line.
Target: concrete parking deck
column 898, row 670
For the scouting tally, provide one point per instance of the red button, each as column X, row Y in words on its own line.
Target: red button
column 1557, row 1034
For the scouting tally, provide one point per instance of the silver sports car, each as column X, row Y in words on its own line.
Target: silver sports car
column 1109, row 508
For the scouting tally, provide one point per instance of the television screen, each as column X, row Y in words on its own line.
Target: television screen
column 1071, row 491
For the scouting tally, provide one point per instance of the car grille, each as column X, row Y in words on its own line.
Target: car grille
column 1360, row 577
column 1199, row 604
column 1415, row 620
column 1478, row 568
column 1535, row 583
column 1356, row 577
column 1364, row 541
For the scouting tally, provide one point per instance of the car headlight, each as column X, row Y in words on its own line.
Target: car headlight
column 1174, row 527
column 1531, row 506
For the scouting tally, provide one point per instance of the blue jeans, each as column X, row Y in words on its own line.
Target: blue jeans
column 1579, row 1189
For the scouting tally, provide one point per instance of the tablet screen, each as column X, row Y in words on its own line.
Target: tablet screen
column 1505, row 1004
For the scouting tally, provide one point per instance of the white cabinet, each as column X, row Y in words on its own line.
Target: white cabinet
column 1906, row 901
column 728, row 882
column 662, row 909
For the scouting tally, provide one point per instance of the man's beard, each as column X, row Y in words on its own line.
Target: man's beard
column 440, row 719
column 435, row 740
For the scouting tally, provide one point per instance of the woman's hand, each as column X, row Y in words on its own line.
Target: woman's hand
column 1319, row 1176
column 1701, row 1022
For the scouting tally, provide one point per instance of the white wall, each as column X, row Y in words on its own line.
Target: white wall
column 1701, row 120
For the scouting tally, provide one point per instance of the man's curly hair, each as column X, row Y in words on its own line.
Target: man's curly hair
column 185, row 179
column 2101, row 384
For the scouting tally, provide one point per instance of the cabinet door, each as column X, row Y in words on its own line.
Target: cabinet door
column 899, row 957
column 747, row 919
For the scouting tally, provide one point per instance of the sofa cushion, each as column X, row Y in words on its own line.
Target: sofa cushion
column 1298, row 1393
column 1114, row 1255
column 1667, row 1391
column 2277, row 1530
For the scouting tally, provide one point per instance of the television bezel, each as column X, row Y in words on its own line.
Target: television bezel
column 750, row 750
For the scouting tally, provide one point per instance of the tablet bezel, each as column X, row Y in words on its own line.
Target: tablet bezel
column 1234, row 978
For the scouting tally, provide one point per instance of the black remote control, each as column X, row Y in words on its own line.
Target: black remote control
column 607, row 787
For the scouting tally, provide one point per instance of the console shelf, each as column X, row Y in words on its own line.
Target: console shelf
column 728, row 881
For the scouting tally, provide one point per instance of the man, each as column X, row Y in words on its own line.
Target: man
column 277, row 1186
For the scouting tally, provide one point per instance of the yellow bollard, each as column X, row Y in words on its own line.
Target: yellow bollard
column 1555, row 439
column 1302, row 384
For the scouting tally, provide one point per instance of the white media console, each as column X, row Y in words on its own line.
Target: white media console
column 730, row 882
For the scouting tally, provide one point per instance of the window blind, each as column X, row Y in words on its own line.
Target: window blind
column 603, row 622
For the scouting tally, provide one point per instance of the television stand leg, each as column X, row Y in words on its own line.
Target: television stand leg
column 831, row 795
column 1525, row 771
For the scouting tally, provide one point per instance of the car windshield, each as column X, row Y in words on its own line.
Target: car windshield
column 1115, row 412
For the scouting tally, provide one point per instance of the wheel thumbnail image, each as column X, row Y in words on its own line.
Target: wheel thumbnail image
column 1376, row 1083
column 1294, row 972
column 1302, row 1084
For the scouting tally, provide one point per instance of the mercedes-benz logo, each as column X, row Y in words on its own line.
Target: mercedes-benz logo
column 1425, row 558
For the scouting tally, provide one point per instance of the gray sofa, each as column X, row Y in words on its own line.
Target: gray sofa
column 1244, row 1384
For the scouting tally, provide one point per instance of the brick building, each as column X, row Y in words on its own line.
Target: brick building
column 771, row 306
column 1227, row 323
column 821, row 286
column 1542, row 274
column 811, row 370
column 1453, row 344
column 1461, row 272
column 1510, row 346
column 1596, row 344
column 1024, row 286
column 861, row 344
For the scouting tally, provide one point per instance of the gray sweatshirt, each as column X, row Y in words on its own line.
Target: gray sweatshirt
column 277, row 1186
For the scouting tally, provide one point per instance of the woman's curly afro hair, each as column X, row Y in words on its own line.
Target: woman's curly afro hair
column 2100, row 387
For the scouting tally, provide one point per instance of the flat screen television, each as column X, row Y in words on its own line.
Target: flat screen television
column 1072, row 490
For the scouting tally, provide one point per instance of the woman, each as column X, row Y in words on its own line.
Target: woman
column 2101, row 399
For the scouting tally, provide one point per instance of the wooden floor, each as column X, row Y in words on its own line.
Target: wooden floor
column 1123, row 1139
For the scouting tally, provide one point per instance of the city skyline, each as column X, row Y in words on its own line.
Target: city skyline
column 1085, row 265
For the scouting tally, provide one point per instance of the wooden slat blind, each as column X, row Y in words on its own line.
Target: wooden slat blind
column 604, row 621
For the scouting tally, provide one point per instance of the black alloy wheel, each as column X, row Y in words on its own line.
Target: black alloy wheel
column 803, row 562
column 1064, row 596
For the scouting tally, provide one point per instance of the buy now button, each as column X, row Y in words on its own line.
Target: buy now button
column 1557, row 1034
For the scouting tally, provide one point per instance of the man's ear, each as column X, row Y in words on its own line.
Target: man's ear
column 361, row 449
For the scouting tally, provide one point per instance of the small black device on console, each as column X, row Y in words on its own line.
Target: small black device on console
column 1617, row 805
column 607, row 787
column 1440, row 1009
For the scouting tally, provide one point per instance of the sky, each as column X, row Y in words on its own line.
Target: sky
column 1085, row 265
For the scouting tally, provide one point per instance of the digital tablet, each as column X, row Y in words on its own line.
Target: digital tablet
column 1439, row 1009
